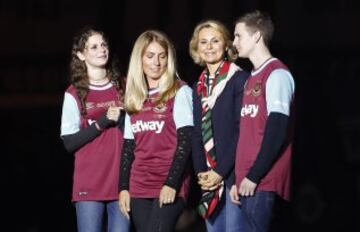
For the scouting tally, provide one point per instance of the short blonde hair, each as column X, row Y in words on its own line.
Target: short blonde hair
column 218, row 26
column 136, row 86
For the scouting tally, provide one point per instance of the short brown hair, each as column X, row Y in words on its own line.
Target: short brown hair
column 258, row 21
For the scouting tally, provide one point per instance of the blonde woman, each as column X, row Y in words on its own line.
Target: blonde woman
column 154, row 181
column 217, row 101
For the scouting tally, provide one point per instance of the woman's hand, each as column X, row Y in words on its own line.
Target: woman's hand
column 113, row 113
column 209, row 180
column 124, row 203
column 167, row 195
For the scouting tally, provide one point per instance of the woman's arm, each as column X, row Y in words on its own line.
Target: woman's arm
column 72, row 134
column 73, row 142
column 198, row 153
column 127, row 158
column 181, row 157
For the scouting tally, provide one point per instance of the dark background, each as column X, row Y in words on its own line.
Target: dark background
column 318, row 40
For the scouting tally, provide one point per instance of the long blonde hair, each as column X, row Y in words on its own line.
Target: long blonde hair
column 230, row 52
column 136, row 86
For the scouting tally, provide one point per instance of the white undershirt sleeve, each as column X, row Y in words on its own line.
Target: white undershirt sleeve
column 70, row 118
column 128, row 134
column 280, row 89
column 183, row 107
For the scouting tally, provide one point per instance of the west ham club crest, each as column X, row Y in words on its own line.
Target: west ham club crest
column 161, row 108
column 256, row 91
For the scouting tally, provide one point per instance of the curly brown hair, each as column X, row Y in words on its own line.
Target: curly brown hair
column 78, row 71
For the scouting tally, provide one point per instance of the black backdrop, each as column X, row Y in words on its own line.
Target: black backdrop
column 317, row 39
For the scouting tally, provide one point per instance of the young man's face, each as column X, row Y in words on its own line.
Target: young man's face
column 244, row 40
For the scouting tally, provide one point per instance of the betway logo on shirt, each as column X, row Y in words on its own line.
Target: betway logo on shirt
column 249, row 109
column 140, row 125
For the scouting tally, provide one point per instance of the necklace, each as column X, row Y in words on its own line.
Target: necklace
column 99, row 83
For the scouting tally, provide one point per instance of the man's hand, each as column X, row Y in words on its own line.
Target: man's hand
column 234, row 195
column 247, row 188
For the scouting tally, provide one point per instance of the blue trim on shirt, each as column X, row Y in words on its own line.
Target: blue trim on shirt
column 280, row 89
column 182, row 114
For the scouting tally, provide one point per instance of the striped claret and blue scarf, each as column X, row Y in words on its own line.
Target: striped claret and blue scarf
column 209, row 88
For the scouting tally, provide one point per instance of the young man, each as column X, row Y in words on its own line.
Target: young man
column 263, row 159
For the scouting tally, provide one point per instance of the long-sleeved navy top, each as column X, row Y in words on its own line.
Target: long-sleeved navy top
column 225, row 121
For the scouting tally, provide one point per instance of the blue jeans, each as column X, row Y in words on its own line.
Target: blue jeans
column 227, row 216
column 257, row 211
column 90, row 216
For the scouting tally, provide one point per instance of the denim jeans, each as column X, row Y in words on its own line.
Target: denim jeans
column 257, row 211
column 90, row 216
column 227, row 217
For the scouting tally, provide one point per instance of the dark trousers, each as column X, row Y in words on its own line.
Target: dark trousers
column 257, row 211
column 149, row 217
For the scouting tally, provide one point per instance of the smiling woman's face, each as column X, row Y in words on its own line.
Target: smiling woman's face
column 96, row 52
column 211, row 46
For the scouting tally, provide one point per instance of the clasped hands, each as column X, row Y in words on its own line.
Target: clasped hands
column 209, row 180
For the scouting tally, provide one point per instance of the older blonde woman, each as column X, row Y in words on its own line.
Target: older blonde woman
column 217, row 101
